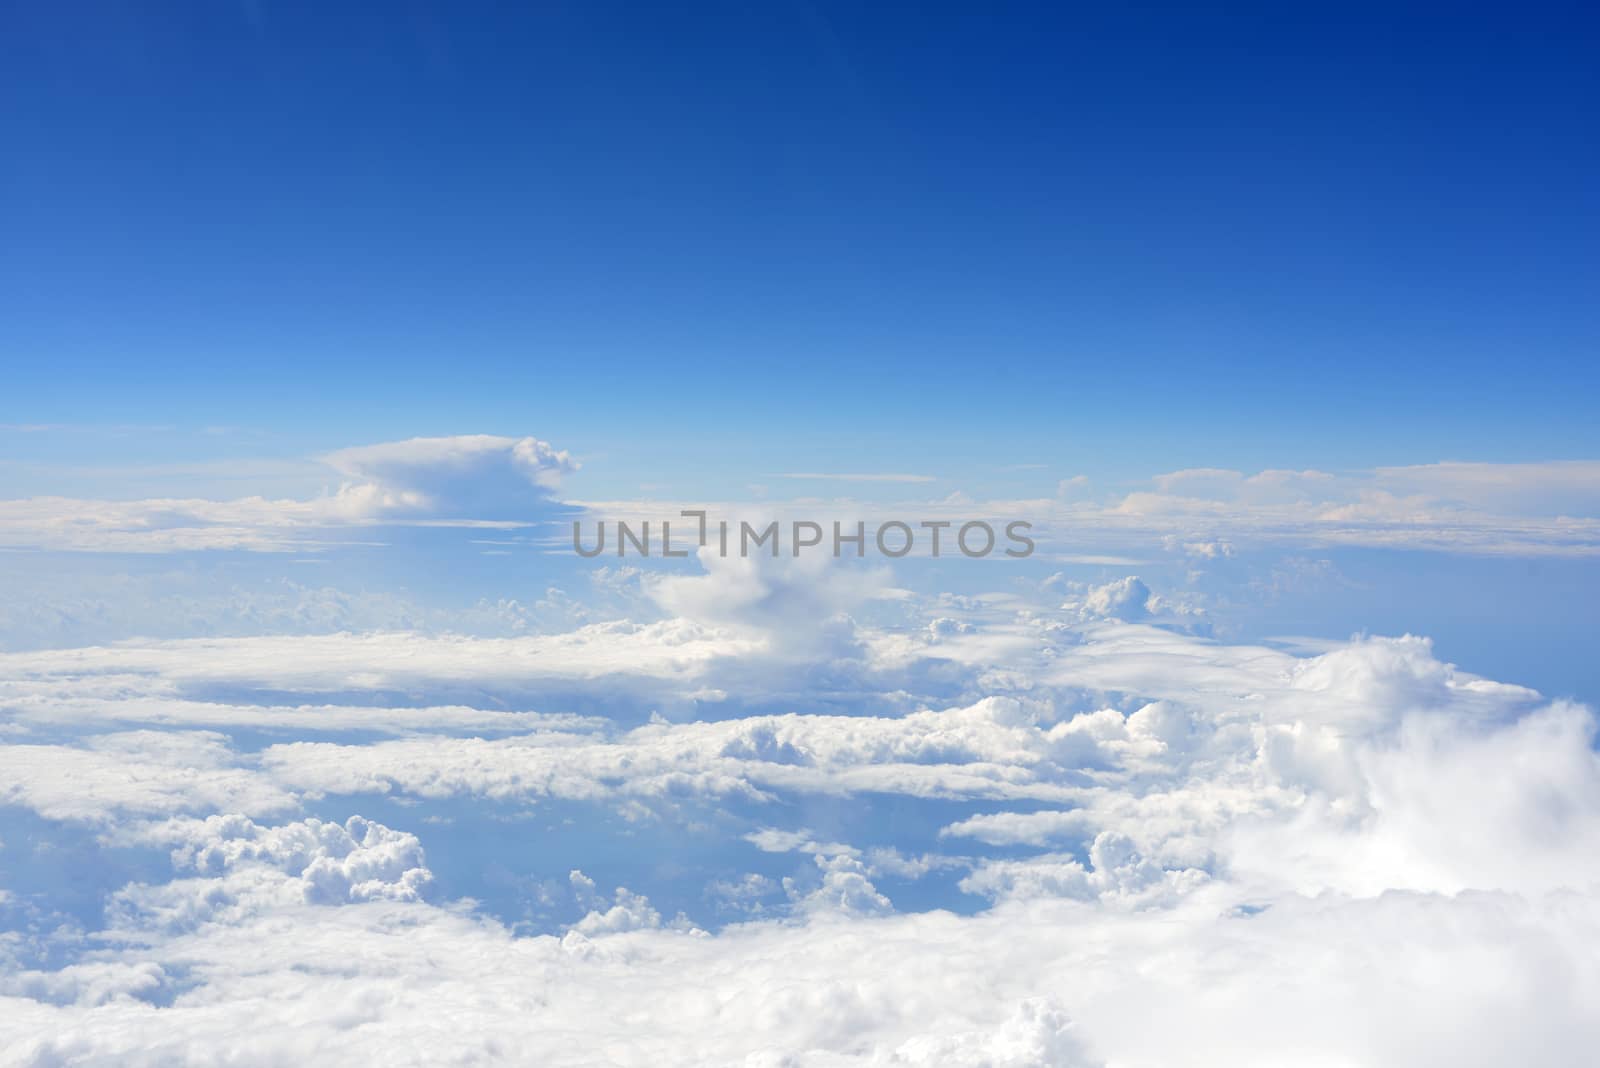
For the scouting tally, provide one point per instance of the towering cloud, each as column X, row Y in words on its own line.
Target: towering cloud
column 466, row 477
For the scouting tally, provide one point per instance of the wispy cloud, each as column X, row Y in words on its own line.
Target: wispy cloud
column 871, row 477
column 1522, row 509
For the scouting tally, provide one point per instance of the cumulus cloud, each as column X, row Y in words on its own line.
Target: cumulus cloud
column 242, row 868
column 1117, row 873
column 795, row 605
column 1127, row 598
column 626, row 911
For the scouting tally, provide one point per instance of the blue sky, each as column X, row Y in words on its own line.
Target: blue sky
column 905, row 238
column 322, row 324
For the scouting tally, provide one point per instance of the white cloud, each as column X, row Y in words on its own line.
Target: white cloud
column 794, row 605
column 473, row 479
column 1126, row 598
column 471, row 476
column 1548, row 509
column 670, row 649
column 1186, row 851
column 242, row 868
column 1532, row 509
column 1476, row 980
column 1117, row 874
column 500, row 482
column 870, row 477
column 1570, row 487
column 138, row 772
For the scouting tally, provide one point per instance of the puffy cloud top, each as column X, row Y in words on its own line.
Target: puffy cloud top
column 470, row 474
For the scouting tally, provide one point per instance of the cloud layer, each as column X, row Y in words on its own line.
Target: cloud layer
column 493, row 481
column 1010, row 836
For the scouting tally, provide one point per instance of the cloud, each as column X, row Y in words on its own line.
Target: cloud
column 466, row 477
column 1031, row 837
column 889, row 477
column 1570, row 487
column 1117, row 874
column 135, row 772
column 1478, row 980
column 378, row 661
column 1502, row 509
column 1126, row 598
column 242, row 868
column 502, row 482
column 474, row 479
column 794, row 604
column 1533, row 509
column 1075, row 487
column 1036, row 1033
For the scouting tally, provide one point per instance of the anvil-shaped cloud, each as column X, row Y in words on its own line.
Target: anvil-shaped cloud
column 467, row 476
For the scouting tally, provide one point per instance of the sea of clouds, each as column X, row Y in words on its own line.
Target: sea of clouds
column 790, row 813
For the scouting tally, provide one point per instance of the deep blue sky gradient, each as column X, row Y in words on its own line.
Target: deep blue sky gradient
column 745, row 238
